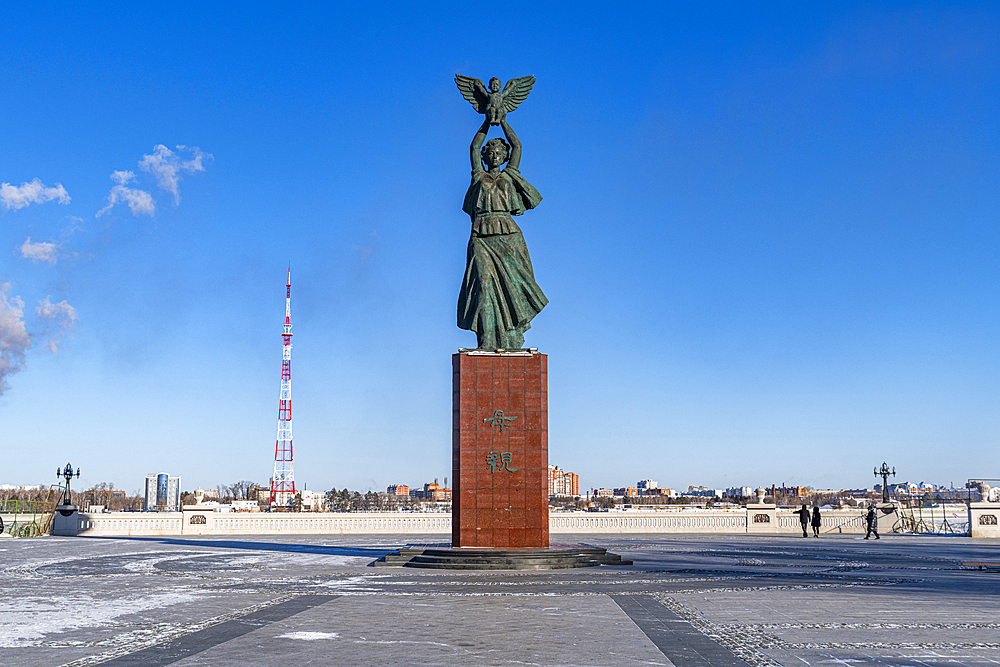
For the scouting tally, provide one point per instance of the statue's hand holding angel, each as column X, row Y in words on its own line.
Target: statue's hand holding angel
column 493, row 102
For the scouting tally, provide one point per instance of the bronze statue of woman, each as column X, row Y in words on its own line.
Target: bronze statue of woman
column 499, row 294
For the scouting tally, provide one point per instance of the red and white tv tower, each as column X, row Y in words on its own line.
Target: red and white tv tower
column 283, row 480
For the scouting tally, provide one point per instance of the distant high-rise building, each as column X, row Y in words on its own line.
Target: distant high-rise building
column 163, row 493
column 173, row 494
column 563, row 483
column 555, row 480
column 431, row 491
column 646, row 484
column 571, row 483
column 398, row 490
column 149, row 499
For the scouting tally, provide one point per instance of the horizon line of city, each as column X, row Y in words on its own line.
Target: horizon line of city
column 163, row 493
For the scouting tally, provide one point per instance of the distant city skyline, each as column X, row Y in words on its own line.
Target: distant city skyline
column 768, row 237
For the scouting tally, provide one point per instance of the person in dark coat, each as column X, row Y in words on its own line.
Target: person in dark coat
column 816, row 522
column 804, row 517
column 871, row 522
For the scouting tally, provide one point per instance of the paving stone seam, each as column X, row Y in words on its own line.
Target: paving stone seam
column 733, row 641
column 828, row 573
column 875, row 626
column 347, row 591
column 748, row 640
column 806, row 555
column 728, row 576
column 685, row 646
column 175, row 633
column 899, row 646
column 760, row 640
column 796, row 587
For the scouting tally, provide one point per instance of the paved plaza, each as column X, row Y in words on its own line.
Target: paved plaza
column 309, row 600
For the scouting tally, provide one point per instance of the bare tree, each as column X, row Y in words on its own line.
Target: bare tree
column 225, row 493
column 241, row 489
column 357, row 502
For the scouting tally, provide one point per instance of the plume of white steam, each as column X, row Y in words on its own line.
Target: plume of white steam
column 139, row 201
column 41, row 251
column 31, row 193
column 167, row 166
column 59, row 317
column 14, row 338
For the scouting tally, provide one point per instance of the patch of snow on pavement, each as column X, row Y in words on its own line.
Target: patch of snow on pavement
column 25, row 624
column 309, row 636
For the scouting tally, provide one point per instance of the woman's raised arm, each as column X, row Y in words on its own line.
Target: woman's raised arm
column 477, row 144
column 515, row 145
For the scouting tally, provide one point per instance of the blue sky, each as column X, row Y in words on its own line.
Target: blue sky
column 769, row 237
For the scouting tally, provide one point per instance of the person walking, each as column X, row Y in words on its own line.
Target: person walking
column 871, row 522
column 804, row 520
column 816, row 521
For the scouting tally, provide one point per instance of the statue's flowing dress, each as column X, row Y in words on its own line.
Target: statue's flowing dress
column 499, row 294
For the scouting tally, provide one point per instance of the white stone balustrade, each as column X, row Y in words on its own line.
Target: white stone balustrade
column 194, row 520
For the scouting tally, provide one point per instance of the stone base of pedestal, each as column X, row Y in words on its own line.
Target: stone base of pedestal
column 762, row 518
column 888, row 519
column 983, row 520
column 500, row 487
column 65, row 520
column 555, row 557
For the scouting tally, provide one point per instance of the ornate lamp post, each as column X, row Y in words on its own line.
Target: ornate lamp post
column 67, row 474
column 885, row 472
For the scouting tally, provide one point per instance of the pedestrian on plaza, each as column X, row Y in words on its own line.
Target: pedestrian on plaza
column 816, row 522
column 804, row 516
column 871, row 522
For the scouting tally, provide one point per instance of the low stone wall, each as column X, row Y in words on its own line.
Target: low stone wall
column 119, row 524
column 697, row 521
column 753, row 519
column 204, row 521
column 194, row 520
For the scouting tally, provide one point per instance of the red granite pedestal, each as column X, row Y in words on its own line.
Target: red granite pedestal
column 500, row 494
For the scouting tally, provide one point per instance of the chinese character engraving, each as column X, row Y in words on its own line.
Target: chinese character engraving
column 499, row 420
column 497, row 461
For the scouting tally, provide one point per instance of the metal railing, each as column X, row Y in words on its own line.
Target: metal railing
column 29, row 518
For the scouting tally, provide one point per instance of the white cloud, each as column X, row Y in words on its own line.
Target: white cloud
column 31, row 193
column 167, row 166
column 41, row 251
column 61, row 315
column 14, row 337
column 139, row 201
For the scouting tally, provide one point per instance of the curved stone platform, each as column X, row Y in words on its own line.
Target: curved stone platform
column 555, row 557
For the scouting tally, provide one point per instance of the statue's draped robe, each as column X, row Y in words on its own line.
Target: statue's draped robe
column 499, row 295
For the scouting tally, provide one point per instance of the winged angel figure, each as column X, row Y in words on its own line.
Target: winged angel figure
column 499, row 295
column 494, row 103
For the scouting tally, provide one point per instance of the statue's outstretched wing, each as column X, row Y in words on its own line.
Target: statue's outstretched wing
column 516, row 91
column 473, row 90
